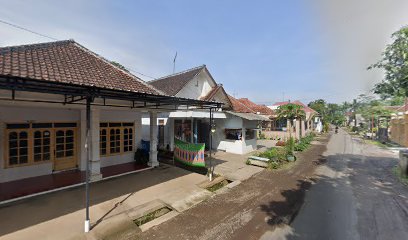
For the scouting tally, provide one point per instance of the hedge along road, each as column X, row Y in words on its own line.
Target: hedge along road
column 248, row 210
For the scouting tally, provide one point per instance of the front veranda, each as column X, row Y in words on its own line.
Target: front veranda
column 49, row 128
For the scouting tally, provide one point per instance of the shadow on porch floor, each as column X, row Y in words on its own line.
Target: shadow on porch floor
column 27, row 186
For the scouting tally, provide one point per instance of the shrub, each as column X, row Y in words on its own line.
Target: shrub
column 273, row 165
column 304, row 142
column 274, row 154
column 326, row 127
column 289, row 146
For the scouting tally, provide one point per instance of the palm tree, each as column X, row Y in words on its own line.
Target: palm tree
column 291, row 112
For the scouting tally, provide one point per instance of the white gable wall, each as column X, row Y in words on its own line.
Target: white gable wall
column 198, row 87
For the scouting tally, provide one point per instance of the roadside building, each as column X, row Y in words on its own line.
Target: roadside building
column 300, row 128
column 234, row 128
column 63, row 107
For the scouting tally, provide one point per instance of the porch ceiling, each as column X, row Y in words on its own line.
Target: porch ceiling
column 76, row 94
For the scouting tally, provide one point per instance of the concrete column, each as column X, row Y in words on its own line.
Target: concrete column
column 297, row 127
column 95, row 166
column 170, row 123
column 153, row 140
column 138, row 132
column 302, row 126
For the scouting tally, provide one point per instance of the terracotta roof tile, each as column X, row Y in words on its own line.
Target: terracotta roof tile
column 67, row 62
column 238, row 106
column 262, row 109
column 172, row 84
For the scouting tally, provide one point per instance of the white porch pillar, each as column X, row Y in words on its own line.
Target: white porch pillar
column 170, row 123
column 95, row 166
column 138, row 132
column 153, row 140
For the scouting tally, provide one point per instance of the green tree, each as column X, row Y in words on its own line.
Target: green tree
column 395, row 64
column 291, row 112
column 331, row 112
column 319, row 106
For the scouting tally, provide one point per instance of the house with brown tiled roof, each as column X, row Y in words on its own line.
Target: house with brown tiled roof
column 302, row 127
column 68, row 115
column 263, row 110
column 235, row 123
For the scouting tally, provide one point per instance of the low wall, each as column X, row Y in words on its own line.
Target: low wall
column 399, row 130
column 281, row 135
column 277, row 135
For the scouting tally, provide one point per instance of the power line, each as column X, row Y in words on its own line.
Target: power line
column 26, row 29
column 133, row 71
column 55, row 39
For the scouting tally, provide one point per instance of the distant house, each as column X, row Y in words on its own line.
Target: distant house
column 263, row 110
column 235, row 124
column 312, row 122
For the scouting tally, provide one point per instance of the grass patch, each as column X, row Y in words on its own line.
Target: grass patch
column 151, row 216
column 376, row 143
column 397, row 171
column 219, row 185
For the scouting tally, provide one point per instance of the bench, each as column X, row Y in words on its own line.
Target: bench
column 258, row 161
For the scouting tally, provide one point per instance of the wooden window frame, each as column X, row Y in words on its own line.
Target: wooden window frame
column 122, row 138
column 30, row 137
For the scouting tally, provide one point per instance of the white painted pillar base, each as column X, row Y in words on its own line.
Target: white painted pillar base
column 87, row 226
column 153, row 140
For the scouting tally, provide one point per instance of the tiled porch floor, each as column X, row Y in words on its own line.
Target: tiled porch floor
column 27, row 186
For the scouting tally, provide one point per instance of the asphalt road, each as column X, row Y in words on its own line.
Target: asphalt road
column 356, row 196
column 248, row 210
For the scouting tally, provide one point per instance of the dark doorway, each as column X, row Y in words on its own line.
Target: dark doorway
column 203, row 133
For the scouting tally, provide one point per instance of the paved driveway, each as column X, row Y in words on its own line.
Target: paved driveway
column 60, row 215
column 233, row 166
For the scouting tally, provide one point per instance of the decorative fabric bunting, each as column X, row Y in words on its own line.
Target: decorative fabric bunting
column 189, row 153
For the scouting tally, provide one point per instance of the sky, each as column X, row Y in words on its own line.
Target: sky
column 267, row 51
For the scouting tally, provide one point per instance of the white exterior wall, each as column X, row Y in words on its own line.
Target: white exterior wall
column 122, row 116
column 13, row 114
column 251, row 144
column 145, row 120
column 198, row 87
column 59, row 113
column 233, row 146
